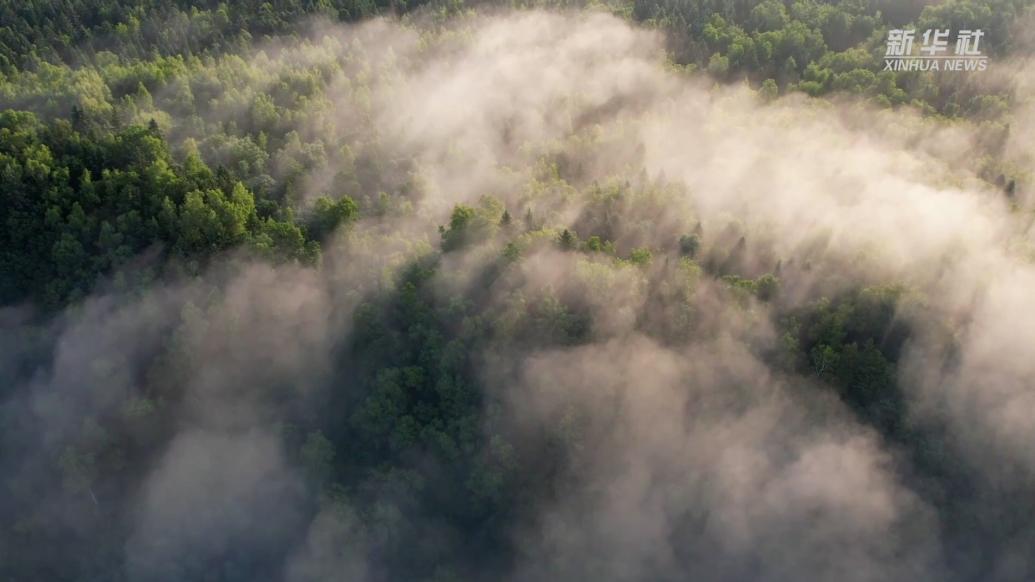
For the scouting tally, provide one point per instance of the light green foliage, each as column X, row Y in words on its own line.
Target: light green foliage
column 468, row 224
column 640, row 256
column 831, row 46
column 769, row 90
column 764, row 288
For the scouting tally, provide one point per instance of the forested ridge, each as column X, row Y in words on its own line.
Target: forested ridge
column 633, row 290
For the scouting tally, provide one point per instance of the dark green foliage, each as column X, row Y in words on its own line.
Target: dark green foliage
column 468, row 224
column 328, row 214
column 852, row 343
column 70, row 31
column 689, row 245
column 78, row 206
column 567, row 240
column 421, row 409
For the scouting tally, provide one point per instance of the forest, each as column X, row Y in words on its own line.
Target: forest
column 551, row 290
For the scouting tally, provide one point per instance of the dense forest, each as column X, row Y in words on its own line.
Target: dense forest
column 307, row 290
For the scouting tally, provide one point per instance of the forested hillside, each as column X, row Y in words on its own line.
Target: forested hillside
column 632, row 290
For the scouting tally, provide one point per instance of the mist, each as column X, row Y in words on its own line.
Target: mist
column 637, row 414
